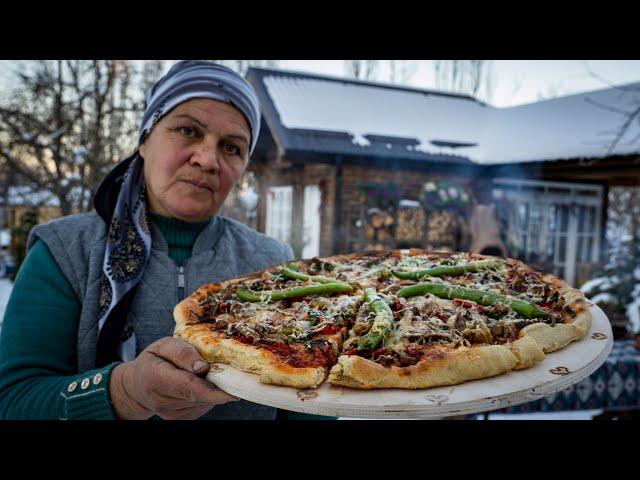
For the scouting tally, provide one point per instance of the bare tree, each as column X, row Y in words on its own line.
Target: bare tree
column 150, row 72
column 473, row 77
column 401, row 71
column 628, row 115
column 68, row 122
column 241, row 66
column 361, row 69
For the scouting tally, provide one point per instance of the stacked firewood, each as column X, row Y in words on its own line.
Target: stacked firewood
column 378, row 231
column 443, row 226
column 411, row 226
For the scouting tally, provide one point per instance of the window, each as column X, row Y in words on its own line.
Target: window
column 311, row 232
column 551, row 225
column 279, row 201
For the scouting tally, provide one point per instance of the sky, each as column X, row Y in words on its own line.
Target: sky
column 515, row 82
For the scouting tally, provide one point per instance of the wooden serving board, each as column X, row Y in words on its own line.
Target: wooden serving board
column 556, row 372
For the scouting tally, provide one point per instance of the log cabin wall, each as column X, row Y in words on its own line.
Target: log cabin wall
column 299, row 172
column 410, row 180
column 340, row 235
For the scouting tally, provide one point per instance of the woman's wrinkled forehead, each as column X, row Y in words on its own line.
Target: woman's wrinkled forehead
column 206, row 80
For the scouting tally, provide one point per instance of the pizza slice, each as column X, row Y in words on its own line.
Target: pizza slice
column 286, row 327
column 511, row 284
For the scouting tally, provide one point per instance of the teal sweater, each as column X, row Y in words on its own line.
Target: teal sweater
column 38, row 341
column 38, row 377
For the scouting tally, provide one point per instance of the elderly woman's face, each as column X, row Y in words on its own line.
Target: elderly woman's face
column 193, row 157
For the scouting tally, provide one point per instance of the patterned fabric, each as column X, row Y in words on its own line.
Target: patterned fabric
column 200, row 79
column 129, row 239
column 127, row 250
column 615, row 384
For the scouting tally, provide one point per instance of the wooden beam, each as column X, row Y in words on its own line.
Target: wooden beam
column 337, row 213
column 297, row 210
column 603, row 223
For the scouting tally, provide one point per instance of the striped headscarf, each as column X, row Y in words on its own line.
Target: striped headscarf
column 121, row 199
column 200, row 79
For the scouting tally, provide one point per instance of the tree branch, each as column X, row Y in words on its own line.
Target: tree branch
column 624, row 129
column 17, row 166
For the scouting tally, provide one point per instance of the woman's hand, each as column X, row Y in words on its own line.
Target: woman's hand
column 164, row 380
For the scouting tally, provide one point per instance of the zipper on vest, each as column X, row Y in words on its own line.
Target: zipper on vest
column 180, row 282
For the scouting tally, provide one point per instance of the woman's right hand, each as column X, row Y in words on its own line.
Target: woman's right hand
column 164, row 380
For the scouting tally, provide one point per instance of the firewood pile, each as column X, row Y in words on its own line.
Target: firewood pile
column 443, row 227
column 378, row 231
column 412, row 222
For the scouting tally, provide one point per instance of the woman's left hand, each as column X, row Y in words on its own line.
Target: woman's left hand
column 164, row 380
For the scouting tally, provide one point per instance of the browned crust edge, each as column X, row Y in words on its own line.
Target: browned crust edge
column 453, row 367
column 214, row 348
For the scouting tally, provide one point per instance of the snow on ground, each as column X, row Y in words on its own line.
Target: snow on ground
column 568, row 415
column 5, row 291
column 604, row 297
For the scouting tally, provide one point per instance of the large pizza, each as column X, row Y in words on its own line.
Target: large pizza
column 384, row 319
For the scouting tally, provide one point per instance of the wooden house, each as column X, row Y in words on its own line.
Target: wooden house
column 336, row 157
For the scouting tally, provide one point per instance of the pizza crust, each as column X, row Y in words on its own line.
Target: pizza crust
column 554, row 338
column 214, row 348
column 527, row 352
column 454, row 366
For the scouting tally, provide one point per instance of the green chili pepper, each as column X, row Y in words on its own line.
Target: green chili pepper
column 482, row 297
column 445, row 270
column 274, row 295
column 382, row 324
column 303, row 276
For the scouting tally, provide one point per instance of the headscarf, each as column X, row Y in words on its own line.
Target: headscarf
column 121, row 199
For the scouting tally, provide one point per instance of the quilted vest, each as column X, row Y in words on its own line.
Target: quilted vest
column 224, row 249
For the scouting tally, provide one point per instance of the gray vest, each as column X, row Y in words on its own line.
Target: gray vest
column 224, row 249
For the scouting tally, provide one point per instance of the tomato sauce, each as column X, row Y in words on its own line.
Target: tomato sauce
column 298, row 355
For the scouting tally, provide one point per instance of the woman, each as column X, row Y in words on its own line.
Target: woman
column 88, row 327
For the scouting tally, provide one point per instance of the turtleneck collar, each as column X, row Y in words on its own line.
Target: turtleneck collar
column 180, row 235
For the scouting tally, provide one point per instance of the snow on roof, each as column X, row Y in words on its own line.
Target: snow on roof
column 575, row 126
column 315, row 104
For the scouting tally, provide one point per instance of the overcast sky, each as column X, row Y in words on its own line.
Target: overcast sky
column 515, row 81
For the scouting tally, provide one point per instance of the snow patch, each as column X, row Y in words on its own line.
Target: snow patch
column 5, row 237
column 26, row 195
column 633, row 314
column 409, row 203
column 591, row 284
column 79, row 154
column 5, row 291
column 604, row 298
column 359, row 139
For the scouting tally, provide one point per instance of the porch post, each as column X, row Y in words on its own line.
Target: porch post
column 337, row 212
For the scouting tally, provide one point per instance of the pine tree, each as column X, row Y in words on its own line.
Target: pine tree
column 617, row 285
